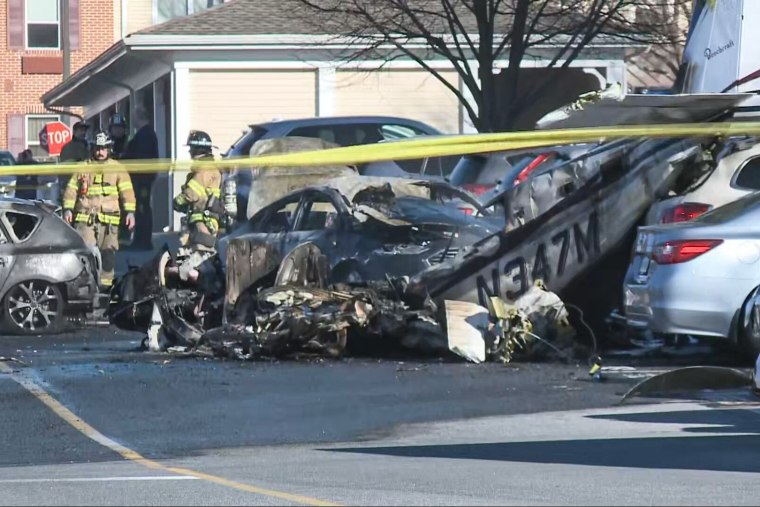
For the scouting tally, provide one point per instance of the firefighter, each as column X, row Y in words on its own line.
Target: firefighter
column 94, row 200
column 117, row 130
column 200, row 200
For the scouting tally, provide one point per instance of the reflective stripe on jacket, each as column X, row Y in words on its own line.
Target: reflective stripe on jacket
column 98, row 194
column 200, row 185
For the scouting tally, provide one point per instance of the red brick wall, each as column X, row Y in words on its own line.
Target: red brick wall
column 20, row 93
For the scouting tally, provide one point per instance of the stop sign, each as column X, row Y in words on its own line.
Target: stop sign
column 54, row 136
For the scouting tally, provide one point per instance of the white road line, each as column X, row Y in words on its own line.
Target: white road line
column 101, row 479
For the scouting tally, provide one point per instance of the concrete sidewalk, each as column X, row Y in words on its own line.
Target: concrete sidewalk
column 127, row 258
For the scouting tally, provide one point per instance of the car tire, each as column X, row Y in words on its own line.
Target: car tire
column 305, row 266
column 749, row 327
column 33, row 307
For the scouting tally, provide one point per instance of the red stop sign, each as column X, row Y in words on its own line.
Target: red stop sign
column 54, row 136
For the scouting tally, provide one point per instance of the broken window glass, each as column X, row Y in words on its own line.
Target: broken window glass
column 23, row 225
column 280, row 216
column 318, row 214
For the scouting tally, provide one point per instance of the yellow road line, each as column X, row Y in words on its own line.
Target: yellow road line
column 84, row 428
column 251, row 489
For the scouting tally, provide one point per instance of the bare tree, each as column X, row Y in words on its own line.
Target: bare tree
column 661, row 59
column 494, row 34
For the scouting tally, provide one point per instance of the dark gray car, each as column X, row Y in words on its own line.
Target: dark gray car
column 366, row 231
column 46, row 270
column 488, row 175
column 336, row 130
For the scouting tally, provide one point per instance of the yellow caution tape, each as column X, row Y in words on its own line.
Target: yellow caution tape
column 412, row 149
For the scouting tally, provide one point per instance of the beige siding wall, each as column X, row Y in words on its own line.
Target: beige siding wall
column 408, row 93
column 139, row 15
column 117, row 19
column 223, row 103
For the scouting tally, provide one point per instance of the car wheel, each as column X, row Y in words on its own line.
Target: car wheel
column 749, row 326
column 305, row 266
column 33, row 307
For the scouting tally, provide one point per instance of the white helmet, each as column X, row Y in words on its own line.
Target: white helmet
column 101, row 139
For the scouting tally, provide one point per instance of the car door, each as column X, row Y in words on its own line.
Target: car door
column 7, row 183
column 7, row 256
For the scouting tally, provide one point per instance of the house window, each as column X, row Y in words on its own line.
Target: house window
column 200, row 5
column 34, row 124
column 42, row 24
column 170, row 9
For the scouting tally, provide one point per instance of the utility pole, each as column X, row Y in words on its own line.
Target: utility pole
column 65, row 42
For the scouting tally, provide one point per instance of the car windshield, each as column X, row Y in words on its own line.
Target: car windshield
column 6, row 159
column 246, row 141
column 731, row 210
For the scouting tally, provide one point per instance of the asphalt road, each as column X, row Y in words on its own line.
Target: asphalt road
column 355, row 431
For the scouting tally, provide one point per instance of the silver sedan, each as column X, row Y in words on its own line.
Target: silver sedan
column 699, row 277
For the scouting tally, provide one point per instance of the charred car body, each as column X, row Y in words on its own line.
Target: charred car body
column 354, row 230
column 46, row 271
column 392, row 245
column 369, row 227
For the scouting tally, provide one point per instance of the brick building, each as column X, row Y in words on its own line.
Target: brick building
column 221, row 66
column 31, row 59
column 31, row 56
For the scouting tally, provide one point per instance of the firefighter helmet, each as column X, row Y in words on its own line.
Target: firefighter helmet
column 101, row 139
column 199, row 141
column 117, row 120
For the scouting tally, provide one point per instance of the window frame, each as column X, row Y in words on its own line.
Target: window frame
column 737, row 172
column 189, row 9
column 26, row 29
column 36, row 142
column 8, row 240
column 9, row 227
column 304, row 208
column 269, row 212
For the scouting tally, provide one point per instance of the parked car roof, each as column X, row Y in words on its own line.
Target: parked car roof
column 7, row 158
column 339, row 120
column 286, row 127
column 25, row 205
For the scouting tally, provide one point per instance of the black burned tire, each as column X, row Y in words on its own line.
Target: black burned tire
column 33, row 307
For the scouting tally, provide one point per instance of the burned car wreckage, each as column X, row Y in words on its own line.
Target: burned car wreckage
column 361, row 263
column 309, row 267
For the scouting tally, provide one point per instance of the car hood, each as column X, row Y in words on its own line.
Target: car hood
column 420, row 211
